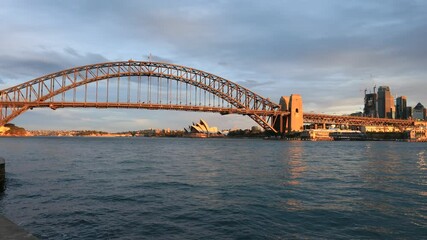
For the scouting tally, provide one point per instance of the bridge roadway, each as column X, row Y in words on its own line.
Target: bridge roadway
column 150, row 106
column 307, row 117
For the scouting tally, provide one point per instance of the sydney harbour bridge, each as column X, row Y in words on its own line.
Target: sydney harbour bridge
column 164, row 86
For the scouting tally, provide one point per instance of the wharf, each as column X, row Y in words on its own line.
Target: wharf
column 11, row 231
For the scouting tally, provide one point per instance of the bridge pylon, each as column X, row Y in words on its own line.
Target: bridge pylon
column 292, row 122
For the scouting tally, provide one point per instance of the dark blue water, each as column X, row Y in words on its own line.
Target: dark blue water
column 160, row 188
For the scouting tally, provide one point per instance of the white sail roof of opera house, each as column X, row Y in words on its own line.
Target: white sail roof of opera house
column 203, row 127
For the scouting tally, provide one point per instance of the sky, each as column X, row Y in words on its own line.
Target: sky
column 329, row 51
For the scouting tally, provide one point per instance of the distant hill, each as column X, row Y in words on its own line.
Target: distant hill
column 12, row 130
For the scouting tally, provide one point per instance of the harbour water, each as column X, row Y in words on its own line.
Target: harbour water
column 175, row 188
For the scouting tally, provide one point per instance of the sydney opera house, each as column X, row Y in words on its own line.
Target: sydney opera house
column 202, row 129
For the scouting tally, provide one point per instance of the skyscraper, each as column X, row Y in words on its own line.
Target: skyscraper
column 386, row 108
column 401, row 108
column 409, row 112
column 370, row 109
column 419, row 112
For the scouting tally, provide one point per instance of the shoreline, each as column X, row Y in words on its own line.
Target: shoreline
column 216, row 137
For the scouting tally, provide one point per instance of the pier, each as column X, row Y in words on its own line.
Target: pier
column 11, row 231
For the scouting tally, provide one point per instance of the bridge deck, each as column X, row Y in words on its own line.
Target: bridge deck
column 142, row 105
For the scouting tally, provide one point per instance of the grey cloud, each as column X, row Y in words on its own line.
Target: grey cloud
column 89, row 58
column 72, row 52
column 14, row 67
column 254, row 84
column 37, row 63
column 156, row 58
column 350, row 37
column 325, row 50
column 272, row 31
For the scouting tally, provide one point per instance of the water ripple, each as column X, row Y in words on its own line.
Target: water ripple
column 159, row 188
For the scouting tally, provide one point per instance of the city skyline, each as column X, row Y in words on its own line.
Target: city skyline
column 328, row 52
column 382, row 104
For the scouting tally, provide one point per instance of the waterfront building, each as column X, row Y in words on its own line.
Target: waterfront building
column 203, row 127
column 370, row 109
column 386, row 107
column 418, row 134
column 419, row 112
column 382, row 129
column 401, row 108
column 201, row 130
column 316, row 135
column 332, row 134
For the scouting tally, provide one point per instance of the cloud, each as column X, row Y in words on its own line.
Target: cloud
column 297, row 46
column 155, row 58
column 32, row 64
column 254, row 84
column 72, row 52
column 327, row 52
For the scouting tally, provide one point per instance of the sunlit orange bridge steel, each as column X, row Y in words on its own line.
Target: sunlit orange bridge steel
column 157, row 86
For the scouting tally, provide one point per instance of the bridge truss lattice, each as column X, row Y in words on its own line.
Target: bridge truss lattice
column 138, row 84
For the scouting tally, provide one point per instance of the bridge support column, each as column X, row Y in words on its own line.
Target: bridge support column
column 294, row 121
column 296, row 117
column 281, row 121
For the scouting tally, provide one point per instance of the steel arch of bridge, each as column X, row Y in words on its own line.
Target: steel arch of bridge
column 50, row 91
